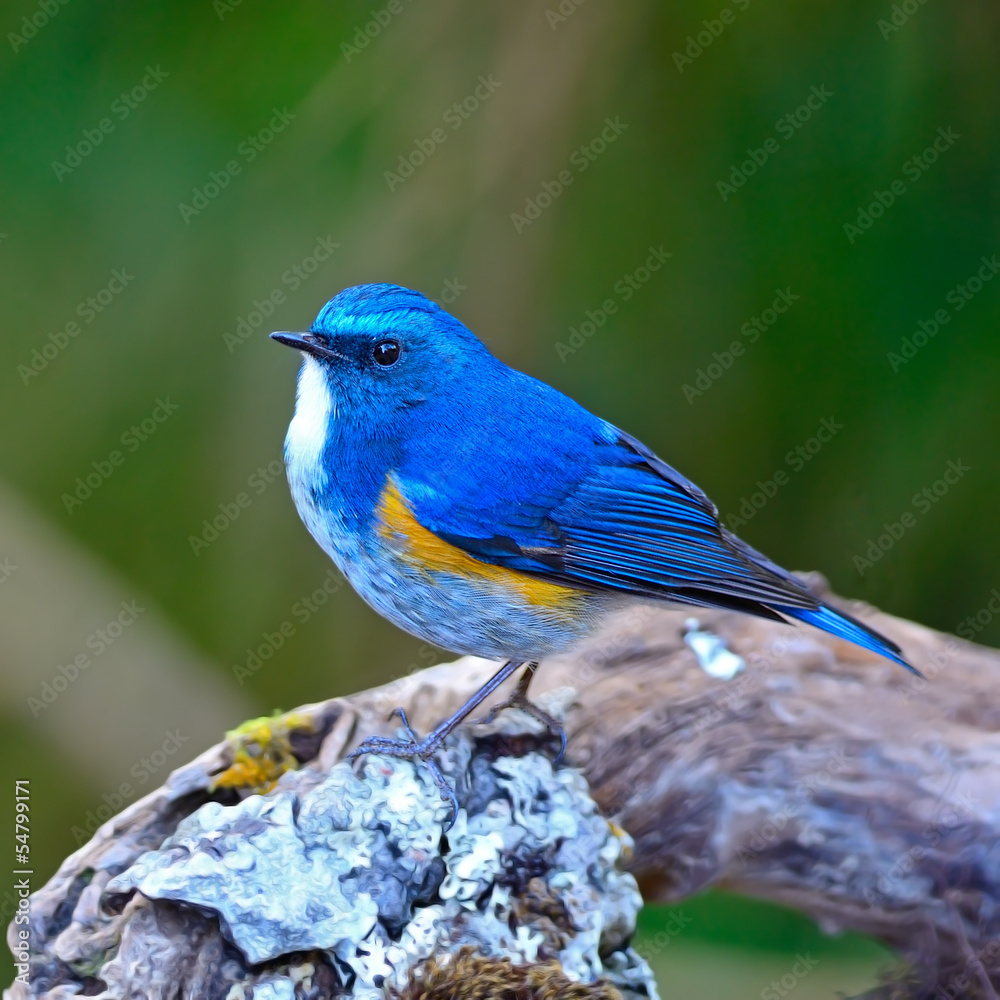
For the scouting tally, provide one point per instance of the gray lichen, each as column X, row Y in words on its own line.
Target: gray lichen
column 338, row 885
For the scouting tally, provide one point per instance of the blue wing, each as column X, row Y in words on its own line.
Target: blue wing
column 608, row 514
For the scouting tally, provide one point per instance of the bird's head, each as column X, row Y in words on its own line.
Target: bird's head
column 374, row 350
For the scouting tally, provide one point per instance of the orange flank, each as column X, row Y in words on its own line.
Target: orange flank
column 424, row 549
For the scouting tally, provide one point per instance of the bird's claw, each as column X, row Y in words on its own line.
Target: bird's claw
column 410, row 749
column 518, row 700
column 400, row 713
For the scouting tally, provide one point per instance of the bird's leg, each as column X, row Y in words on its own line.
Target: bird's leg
column 519, row 699
column 424, row 749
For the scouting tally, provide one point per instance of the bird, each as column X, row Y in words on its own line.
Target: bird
column 487, row 513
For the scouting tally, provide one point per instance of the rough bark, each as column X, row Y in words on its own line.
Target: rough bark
column 821, row 777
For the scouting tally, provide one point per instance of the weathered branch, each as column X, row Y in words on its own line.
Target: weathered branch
column 822, row 777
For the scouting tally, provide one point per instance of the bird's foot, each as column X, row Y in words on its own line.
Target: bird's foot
column 519, row 700
column 412, row 748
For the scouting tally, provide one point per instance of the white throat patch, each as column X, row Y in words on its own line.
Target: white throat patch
column 307, row 431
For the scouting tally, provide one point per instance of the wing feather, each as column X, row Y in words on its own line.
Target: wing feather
column 630, row 523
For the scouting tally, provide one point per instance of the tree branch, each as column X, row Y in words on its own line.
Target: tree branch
column 821, row 777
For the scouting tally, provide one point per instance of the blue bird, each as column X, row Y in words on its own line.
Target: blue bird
column 485, row 512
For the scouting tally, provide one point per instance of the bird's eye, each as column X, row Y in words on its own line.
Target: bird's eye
column 386, row 353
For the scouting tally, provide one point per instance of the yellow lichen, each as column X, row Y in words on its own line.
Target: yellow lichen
column 262, row 752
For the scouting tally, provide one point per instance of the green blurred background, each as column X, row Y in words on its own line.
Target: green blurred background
column 209, row 76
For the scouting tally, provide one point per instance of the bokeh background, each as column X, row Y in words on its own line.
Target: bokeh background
column 201, row 80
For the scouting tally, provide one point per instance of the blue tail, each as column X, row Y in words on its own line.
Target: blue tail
column 846, row 627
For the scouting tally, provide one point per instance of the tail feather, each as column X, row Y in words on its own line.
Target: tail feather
column 839, row 624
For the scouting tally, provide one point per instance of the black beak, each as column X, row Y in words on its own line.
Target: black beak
column 308, row 343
